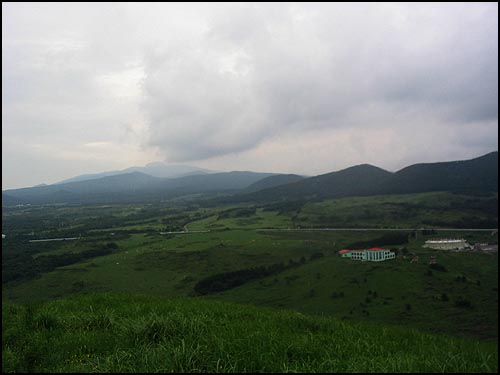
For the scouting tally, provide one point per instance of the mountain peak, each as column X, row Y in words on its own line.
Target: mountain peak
column 155, row 169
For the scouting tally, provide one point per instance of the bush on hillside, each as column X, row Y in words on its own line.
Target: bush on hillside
column 438, row 267
column 462, row 302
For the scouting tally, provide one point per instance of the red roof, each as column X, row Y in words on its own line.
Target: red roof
column 376, row 249
column 344, row 251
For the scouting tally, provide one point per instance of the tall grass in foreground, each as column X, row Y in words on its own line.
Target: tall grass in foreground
column 121, row 333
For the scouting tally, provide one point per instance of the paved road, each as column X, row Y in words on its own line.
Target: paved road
column 381, row 229
column 186, row 232
column 57, row 239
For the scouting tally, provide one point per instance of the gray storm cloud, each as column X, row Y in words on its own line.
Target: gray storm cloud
column 284, row 87
column 255, row 74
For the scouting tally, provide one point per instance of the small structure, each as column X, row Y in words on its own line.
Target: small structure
column 432, row 260
column 447, row 244
column 486, row 248
column 374, row 254
column 3, row 236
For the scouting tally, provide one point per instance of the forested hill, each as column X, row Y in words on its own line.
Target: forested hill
column 479, row 175
column 75, row 191
column 272, row 181
column 131, row 187
column 474, row 175
column 358, row 180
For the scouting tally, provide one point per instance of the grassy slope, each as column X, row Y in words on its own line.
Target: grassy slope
column 161, row 265
column 121, row 333
column 261, row 219
column 397, row 284
column 438, row 209
column 171, row 266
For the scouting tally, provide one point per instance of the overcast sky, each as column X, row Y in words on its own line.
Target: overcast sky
column 296, row 88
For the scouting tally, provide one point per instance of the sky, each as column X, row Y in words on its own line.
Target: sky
column 304, row 88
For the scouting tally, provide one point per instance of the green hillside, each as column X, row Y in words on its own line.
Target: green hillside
column 474, row 175
column 254, row 256
column 391, row 293
column 272, row 181
column 479, row 175
column 434, row 209
column 310, row 275
column 357, row 180
column 131, row 187
column 124, row 333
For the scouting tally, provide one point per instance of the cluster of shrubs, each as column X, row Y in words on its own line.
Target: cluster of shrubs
column 316, row 256
column 463, row 302
column 392, row 238
column 290, row 279
column 374, row 294
column 228, row 280
column 284, row 208
column 237, row 212
column 27, row 267
column 438, row 267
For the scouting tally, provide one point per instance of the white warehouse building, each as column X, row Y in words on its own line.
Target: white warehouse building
column 374, row 254
column 447, row 244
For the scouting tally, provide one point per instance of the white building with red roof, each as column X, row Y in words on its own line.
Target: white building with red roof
column 374, row 254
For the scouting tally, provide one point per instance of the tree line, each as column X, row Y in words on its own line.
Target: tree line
column 229, row 280
column 392, row 238
column 23, row 266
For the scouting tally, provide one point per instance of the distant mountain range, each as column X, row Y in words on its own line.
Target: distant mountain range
column 476, row 175
column 156, row 169
column 272, row 181
column 131, row 187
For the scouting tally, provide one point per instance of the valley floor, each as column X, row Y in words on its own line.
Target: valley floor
column 153, row 264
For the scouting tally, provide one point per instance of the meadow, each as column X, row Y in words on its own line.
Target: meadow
column 122, row 255
column 125, row 333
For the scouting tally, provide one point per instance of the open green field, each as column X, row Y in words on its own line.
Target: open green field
column 391, row 292
column 124, row 333
column 121, row 250
column 438, row 209
column 430, row 210
column 249, row 219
